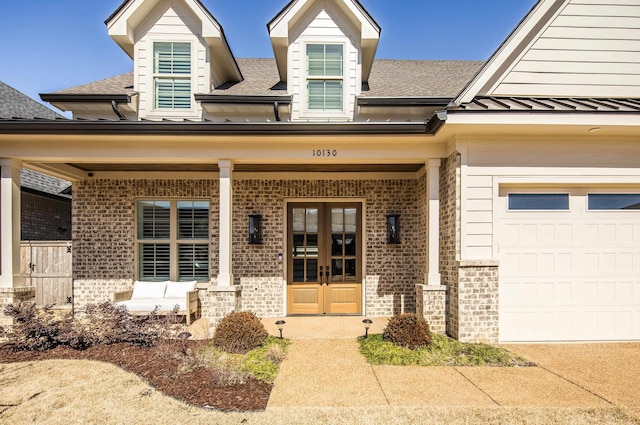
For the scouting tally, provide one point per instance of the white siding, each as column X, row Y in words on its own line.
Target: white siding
column 325, row 27
column 176, row 23
column 488, row 164
column 592, row 48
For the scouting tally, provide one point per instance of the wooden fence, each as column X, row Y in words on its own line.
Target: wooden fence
column 47, row 266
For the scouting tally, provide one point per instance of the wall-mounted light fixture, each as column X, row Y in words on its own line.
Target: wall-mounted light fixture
column 255, row 229
column 393, row 229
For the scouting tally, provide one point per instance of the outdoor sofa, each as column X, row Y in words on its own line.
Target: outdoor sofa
column 163, row 297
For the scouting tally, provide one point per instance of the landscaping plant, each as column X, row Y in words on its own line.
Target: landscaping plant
column 240, row 332
column 40, row 329
column 407, row 330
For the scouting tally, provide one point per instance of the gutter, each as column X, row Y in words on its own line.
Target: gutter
column 207, row 128
column 85, row 98
column 246, row 100
column 113, row 99
column 404, row 101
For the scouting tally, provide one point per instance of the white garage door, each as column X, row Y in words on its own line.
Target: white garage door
column 569, row 265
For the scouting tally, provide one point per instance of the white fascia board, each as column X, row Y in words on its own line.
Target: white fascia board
column 511, row 48
column 552, row 118
column 210, row 27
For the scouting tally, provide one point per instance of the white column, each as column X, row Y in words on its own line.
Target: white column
column 225, row 278
column 433, row 232
column 10, row 224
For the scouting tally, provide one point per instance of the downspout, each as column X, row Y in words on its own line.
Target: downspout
column 276, row 110
column 116, row 109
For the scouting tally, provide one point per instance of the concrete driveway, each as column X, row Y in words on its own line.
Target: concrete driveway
column 610, row 371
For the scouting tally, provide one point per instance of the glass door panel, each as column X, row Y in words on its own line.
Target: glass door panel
column 324, row 261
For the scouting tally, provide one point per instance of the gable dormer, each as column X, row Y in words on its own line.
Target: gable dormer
column 324, row 51
column 178, row 48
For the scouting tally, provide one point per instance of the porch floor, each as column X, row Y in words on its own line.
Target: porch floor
column 323, row 327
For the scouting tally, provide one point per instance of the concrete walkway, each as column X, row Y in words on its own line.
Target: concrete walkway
column 325, row 369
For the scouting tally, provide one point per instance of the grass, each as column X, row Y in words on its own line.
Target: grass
column 443, row 351
column 262, row 363
column 93, row 393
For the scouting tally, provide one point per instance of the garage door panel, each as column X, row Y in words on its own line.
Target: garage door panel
column 569, row 276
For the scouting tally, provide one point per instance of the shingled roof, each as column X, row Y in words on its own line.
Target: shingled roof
column 44, row 184
column 389, row 78
column 15, row 104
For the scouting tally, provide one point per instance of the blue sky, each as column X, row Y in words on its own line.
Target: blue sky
column 51, row 45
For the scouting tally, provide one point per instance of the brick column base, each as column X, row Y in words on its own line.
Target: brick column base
column 14, row 296
column 478, row 301
column 431, row 304
column 217, row 302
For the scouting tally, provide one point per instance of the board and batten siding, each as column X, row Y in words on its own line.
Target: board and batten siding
column 486, row 165
column 591, row 48
column 173, row 24
column 323, row 29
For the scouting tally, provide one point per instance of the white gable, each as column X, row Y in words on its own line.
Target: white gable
column 569, row 48
column 282, row 29
column 324, row 25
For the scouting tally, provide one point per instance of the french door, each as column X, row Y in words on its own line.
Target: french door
column 324, row 259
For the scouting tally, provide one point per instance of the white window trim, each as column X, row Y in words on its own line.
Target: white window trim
column 173, row 240
column 159, row 113
column 311, row 114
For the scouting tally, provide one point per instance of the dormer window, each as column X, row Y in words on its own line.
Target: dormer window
column 172, row 75
column 325, row 77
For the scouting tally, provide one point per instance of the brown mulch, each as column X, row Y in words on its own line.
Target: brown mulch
column 195, row 387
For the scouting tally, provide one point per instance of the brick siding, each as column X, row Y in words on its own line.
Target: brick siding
column 44, row 219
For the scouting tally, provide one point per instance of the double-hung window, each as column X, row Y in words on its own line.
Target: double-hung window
column 172, row 75
column 325, row 77
column 173, row 240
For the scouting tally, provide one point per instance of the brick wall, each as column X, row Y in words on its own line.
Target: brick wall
column 478, row 301
column 14, row 296
column 450, row 236
column 44, row 219
column 391, row 270
column 431, row 304
column 104, row 235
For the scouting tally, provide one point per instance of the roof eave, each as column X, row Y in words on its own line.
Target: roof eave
column 198, row 128
column 85, row 98
column 242, row 99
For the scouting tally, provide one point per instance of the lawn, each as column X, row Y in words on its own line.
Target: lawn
column 443, row 351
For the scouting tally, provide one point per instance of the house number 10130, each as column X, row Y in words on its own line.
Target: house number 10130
column 325, row 152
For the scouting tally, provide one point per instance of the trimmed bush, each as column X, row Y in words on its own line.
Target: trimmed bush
column 239, row 332
column 407, row 330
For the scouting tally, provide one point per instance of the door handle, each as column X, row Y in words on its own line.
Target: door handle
column 321, row 276
column 328, row 276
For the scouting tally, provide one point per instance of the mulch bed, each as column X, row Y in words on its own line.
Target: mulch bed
column 194, row 387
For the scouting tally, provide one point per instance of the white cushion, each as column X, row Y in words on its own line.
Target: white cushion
column 148, row 305
column 148, row 290
column 142, row 305
column 179, row 289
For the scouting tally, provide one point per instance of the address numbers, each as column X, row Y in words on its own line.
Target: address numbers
column 325, row 153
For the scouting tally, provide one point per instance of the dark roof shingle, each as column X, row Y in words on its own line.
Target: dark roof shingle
column 389, row 78
column 15, row 104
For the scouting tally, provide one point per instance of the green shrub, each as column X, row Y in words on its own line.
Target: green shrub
column 239, row 332
column 407, row 330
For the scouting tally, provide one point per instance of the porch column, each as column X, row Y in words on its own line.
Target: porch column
column 432, row 277
column 225, row 278
column 10, row 224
